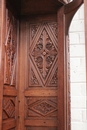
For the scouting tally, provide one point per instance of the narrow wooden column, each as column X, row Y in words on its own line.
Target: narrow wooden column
column 22, row 73
column 2, row 40
column 61, row 71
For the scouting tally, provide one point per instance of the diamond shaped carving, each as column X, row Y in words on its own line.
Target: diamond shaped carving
column 34, row 28
column 43, row 108
column 33, row 78
column 54, row 80
column 9, row 108
column 44, row 54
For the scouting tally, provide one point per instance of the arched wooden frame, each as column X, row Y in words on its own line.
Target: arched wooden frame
column 65, row 16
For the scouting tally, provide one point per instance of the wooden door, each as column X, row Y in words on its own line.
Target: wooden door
column 41, row 96
column 9, row 116
column 39, row 71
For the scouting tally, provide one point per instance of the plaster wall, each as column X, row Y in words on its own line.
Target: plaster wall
column 78, row 72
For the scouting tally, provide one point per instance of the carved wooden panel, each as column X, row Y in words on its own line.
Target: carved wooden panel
column 43, row 55
column 8, row 108
column 41, row 107
column 41, row 98
column 10, row 50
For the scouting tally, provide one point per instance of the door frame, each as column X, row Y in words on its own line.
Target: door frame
column 2, row 41
column 69, row 12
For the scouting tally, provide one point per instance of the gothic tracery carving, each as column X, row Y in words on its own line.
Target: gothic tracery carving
column 54, row 80
column 10, row 50
column 55, row 29
column 44, row 50
column 44, row 53
column 33, row 80
column 33, row 30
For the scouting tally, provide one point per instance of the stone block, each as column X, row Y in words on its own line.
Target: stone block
column 76, row 115
column 74, row 38
column 77, row 26
column 77, row 50
column 78, row 63
column 77, row 76
column 78, row 89
column 78, row 102
column 79, row 126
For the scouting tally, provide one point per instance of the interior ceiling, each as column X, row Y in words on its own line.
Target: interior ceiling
column 39, row 6
column 27, row 7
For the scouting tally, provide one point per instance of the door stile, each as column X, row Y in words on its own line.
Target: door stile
column 22, row 73
column 17, row 79
column 2, row 41
column 61, row 71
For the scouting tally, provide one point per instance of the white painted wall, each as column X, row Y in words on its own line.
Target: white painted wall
column 78, row 75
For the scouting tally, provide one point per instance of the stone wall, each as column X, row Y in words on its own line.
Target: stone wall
column 78, row 74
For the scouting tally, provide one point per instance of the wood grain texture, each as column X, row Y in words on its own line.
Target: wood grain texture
column 39, row 79
column 39, row 97
column 10, row 108
column 41, row 128
column 61, row 70
column 40, row 6
column 2, row 40
column 41, row 123
column 39, row 92
column 22, row 72
column 9, row 125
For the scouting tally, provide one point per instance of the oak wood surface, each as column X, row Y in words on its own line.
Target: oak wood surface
column 40, row 6
column 9, row 98
column 35, row 71
column 2, row 38
column 33, row 84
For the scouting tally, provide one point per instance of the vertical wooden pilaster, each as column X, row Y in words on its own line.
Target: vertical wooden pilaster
column 22, row 73
column 61, row 71
column 2, row 40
